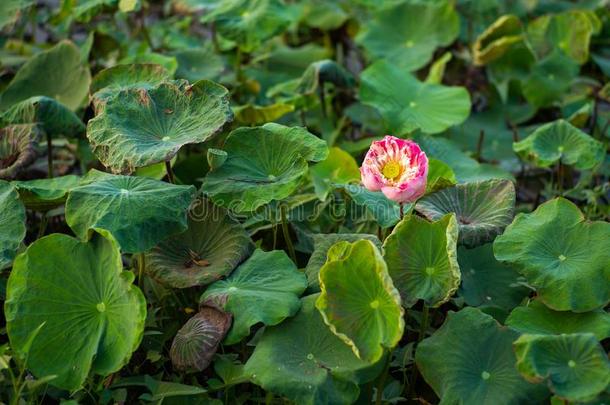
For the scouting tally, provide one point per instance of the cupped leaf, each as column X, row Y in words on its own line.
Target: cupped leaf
column 90, row 316
column 12, row 223
column 58, row 73
column 139, row 212
column 263, row 164
column 17, row 148
column 322, row 242
column 560, row 254
column 487, row 282
column 265, row 289
column 407, row 104
column 324, row 71
column 55, row 118
column 302, row 360
column 483, row 209
column 497, row 39
column 250, row 22
column 142, row 126
column 197, row 341
column 358, row 301
column 575, row 366
column 470, row 360
column 257, row 115
column 537, row 319
column 126, row 76
column 422, row 259
column 212, row 246
column 385, row 211
column 45, row 194
column 561, row 141
column 338, row 168
column 393, row 35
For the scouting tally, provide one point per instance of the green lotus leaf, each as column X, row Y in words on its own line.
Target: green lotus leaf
column 139, row 212
column 45, row 194
column 338, row 168
column 358, row 300
column 195, row 64
column 324, row 71
column 561, row 141
column 322, row 243
column 12, row 223
column 58, row 73
column 303, row 361
column 569, row 31
column 394, row 37
column 212, row 246
column 440, row 176
column 114, row 79
column 10, row 10
column 575, row 366
column 89, row 315
column 483, row 209
column 264, row 164
column 250, row 22
column 17, row 148
column 437, row 69
column 407, row 104
column 470, row 360
column 197, row 341
column 142, row 126
column 250, row 114
column 550, row 79
column 324, row 15
column 497, row 39
column 487, row 282
column 265, row 289
column 422, row 259
column 55, row 118
column 385, row 211
column 537, row 319
column 85, row 10
column 560, row 254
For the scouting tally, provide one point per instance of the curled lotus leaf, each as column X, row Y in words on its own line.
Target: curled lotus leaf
column 12, row 223
column 17, row 148
column 497, row 39
column 143, row 126
column 46, row 194
column 197, row 341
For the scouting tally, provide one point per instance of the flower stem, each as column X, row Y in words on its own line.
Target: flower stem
column 382, row 379
column 287, row 234
column 170, row 172
column 402, row 210
column 50, row 156
column 43, row 225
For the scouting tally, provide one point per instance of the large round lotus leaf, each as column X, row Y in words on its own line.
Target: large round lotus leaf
column 303, row 361
column 10, row 10
column 322, row 242
column 263, row 164
column 212, row 246
column 407, row 104
column 12, row 223
column 407, row 34
column 250, row 22
column 488, row 282
column 359, row 301
column 139, row 212
column 45, row 194
column 497, row 39
column 199, row 63
column 537, row 319
column 470, row 360
column 569, row 31
column 575, row 366
column 142, row 126
column 561, row 254
column 483, row 209
column 197, row 341
column 549, row 80
column 17, row 148
column 338, row 168
column 266, row 289
column 121, row 77
column 385, row 211
column 89, row 315
column 559, row 140
column 49, row 114
column 422, row 259
column 58, row 73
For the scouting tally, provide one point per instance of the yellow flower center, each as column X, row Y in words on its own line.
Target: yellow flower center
column 391, row 170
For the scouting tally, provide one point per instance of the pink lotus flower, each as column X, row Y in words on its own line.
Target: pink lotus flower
column 397, row 167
